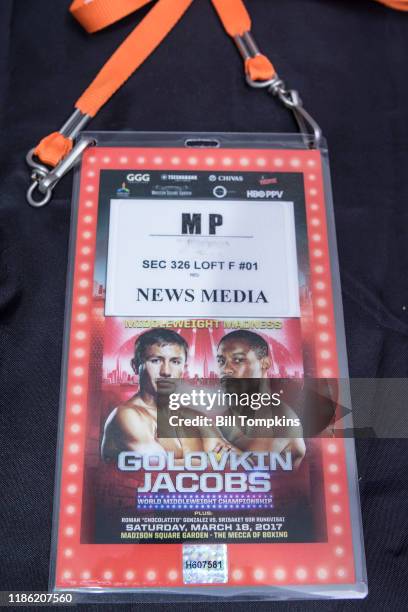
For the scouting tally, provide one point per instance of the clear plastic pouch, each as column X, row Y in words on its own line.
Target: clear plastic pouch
column 199, row 240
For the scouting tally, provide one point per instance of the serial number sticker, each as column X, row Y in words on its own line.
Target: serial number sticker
column 205, row 564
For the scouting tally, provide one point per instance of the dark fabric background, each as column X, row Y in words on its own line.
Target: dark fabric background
column 349, row 60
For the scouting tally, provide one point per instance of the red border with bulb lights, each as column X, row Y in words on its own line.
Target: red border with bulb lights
column 114, row 566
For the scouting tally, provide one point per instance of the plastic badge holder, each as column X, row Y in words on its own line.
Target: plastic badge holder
column 271, row 201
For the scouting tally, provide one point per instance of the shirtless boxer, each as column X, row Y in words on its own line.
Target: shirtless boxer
column 160, row 354
column 245, row 354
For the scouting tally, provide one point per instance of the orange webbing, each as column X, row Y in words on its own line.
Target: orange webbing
column 236, row 21
column 259, row 68
column 234, row 16
column 400, row 5
column 95, row 15
column 53, row 148
column 131, row 54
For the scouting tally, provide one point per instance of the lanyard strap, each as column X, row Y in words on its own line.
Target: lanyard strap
column 95, row 15
column 134, row 50
column 399, row 5
column 57, row 150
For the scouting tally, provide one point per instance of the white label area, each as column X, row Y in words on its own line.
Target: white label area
column 201, row 258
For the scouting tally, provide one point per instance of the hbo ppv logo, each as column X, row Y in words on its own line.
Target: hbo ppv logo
column 138, row 178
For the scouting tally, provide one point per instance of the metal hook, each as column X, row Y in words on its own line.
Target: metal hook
column 38, row 203
column 45, row 180
column 33, row 164
column 292, row 100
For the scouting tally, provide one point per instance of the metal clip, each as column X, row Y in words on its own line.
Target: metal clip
column 43, row 179
column 292, row 100
column 246, row 45
column 308, row 127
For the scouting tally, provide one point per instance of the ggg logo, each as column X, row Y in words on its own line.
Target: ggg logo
column 138, row 178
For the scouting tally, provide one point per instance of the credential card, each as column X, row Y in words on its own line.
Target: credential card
column 191, row 266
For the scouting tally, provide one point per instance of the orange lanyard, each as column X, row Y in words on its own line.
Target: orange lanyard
column 400, row 5
column 134, row 50
column 56, row 149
